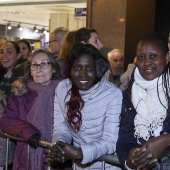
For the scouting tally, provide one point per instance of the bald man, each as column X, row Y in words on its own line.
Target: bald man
column 116, row 61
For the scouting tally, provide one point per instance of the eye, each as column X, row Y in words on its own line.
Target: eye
column 89, row 68
column 34, row 66
column 95, row 40
column 77, row 67
column 153, row 56
column 44, row 64
column 9, row 51
column 140, row 57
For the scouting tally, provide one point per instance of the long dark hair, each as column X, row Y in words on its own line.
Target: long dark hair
column 76, row 103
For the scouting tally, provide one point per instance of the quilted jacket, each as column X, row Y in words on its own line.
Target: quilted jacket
column 100, row 119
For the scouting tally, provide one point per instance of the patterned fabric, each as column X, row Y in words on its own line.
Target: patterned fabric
column 42, row 109
column 151, row 108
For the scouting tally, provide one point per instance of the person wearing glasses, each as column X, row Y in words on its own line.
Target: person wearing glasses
column 29, row 110
column 55, row 40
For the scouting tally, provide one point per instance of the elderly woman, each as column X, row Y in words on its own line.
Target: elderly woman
column 86, row 110
column 145, row 117
column 29, row 110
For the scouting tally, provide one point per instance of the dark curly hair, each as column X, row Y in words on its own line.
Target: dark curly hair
column 76, row 103
column 55, row 66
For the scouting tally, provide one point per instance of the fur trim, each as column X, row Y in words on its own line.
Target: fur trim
column 18, row 87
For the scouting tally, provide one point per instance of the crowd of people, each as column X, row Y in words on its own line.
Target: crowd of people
column 85, row 104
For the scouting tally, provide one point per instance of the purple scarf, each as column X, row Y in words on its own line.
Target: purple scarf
column 41, row 115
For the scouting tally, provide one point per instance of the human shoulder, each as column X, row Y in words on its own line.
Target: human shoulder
column 19, row 87
column 64, row 85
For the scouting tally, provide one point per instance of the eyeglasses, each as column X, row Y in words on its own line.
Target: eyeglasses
column 43, row 65
column 48, row 43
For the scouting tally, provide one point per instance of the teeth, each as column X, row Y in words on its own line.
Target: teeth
column 83, row 81
column 148, row 71
column 4, row 60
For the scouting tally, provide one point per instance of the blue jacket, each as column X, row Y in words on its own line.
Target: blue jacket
column 126, row 140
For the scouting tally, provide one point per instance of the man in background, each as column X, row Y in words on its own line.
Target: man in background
column 116, row 61
column 55, row 40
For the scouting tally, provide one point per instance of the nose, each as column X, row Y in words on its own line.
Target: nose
column 83, row 72
column 38, row 68
column 100, row 45
column 147, row 60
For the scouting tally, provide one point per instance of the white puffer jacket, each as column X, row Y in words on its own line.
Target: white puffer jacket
column 100, row 119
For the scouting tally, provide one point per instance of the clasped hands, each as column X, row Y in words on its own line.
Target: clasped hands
column 146, row 156
column 62, row 151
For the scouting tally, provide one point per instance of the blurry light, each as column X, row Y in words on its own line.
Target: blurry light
column 44, row 31
column 35, row 29
column 9, row 26
column 19, row 27
column 121, row 20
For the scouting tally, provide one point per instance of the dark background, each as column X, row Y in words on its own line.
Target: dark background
column 162, row 17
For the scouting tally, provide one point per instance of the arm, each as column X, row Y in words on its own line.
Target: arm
column 126, row 140
column 13, row 121
column 61, row 131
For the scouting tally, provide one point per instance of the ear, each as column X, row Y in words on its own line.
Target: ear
column 83, row 42
column 167, row 57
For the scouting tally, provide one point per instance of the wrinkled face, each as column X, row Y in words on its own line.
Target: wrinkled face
column 94, row 40
column 54, row 44
column 41, row 75
column 150, row 60
column 83, row 72
column 116, row 62
column 24, row 50
column 8, row 55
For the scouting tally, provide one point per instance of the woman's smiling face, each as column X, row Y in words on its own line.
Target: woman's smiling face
column 150, row 60
column 83, row 72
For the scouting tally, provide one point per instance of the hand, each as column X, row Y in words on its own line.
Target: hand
column 34, row 140
column 155, row 148
column 63, row 151
column 137, row 160
column 147, row 155
column 70, row 152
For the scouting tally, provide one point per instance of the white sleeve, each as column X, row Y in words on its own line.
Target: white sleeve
column 61, row 131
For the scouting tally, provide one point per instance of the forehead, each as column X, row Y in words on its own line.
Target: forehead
column 22, row 44
column 2, row 41
column 84, row 59
column 40, row 57
column 93, row 35
column 7, row 45
column 116, row 55
column 149, row 46
column 54, row 36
